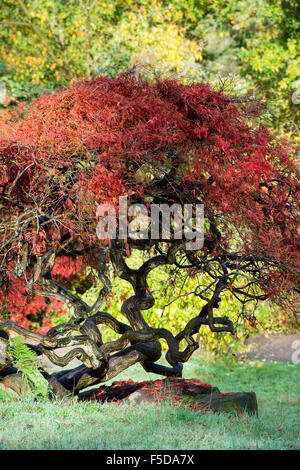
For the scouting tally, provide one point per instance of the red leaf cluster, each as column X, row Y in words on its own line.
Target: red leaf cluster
column 160, row 390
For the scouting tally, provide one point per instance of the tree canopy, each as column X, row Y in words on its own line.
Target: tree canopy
column 157, row 142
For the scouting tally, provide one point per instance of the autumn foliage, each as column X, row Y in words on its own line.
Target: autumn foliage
column 90, row 143
column 156, row 142
column 24, row 309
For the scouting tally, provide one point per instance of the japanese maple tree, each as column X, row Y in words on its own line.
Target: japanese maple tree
column 156, row 142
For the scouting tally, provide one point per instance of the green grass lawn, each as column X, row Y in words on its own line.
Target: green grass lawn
column 29, row 424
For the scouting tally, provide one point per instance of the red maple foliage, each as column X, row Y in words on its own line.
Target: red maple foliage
column 21, row 307
column 82, row 146
column 155, row 142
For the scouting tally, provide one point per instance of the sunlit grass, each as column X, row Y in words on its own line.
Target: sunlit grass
column 29, row 424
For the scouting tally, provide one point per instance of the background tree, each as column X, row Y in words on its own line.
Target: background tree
column 156, row 142
column 250, row 43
